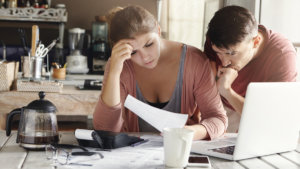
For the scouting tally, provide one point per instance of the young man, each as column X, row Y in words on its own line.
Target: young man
column 241, row 52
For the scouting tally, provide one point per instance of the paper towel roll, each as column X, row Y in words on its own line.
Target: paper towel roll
column 84, row 134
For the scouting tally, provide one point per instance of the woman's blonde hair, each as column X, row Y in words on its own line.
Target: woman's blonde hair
column 125, row 23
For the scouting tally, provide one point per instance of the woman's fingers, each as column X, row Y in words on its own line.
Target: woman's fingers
column 123, row 48
column 124, row 41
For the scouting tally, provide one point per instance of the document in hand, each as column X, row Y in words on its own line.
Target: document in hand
column 158, row 118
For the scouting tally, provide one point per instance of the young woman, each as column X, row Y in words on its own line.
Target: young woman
column 165, row 74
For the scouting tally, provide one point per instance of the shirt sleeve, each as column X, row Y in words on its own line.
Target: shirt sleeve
column 283, row 68
column 106, row 117
column 213, row 115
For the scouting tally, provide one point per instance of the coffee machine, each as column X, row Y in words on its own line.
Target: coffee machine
column 100, row 48
column 76, row 62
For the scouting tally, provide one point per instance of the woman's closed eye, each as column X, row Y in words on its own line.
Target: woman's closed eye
column 148, row 45
column 133, row 52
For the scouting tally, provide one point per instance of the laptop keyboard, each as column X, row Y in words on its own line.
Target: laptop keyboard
column 225, row 150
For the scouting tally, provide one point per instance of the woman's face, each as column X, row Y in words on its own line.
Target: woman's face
column 146, row 49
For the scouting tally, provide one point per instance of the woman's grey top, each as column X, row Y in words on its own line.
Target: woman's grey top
column 174, row 104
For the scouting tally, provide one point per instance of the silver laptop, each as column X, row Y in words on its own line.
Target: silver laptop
column 270, row 123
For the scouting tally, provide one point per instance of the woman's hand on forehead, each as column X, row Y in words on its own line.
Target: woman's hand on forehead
column 130, row 42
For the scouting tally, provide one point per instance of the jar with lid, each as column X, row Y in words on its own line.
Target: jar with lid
column 12, row 3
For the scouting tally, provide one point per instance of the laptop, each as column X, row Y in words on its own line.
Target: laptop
column 270, row 123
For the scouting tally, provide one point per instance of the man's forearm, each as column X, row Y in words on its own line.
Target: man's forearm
column 236, row 100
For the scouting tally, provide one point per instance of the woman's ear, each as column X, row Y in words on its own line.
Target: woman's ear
column 158, row 30
column 256, row 41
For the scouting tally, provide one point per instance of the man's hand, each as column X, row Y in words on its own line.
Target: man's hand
column 226, row 76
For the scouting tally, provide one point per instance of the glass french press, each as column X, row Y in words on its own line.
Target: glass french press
column 38, row 124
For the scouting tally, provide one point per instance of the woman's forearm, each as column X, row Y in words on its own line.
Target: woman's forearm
column 200, row 131
column 111, row 90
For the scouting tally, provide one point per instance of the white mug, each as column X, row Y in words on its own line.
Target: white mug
column 177, row 146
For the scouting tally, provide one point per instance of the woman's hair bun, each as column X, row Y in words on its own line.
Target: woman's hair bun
column 112, row 13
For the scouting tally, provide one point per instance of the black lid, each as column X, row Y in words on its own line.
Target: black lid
column 42, row 104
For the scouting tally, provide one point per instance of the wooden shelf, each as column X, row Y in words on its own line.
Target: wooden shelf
column 34, row 14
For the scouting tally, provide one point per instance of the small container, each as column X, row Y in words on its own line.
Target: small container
column 59, row 73
column 27, row 67
column 12, row 3
column 37, row 67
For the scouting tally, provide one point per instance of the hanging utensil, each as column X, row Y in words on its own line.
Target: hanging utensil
column 22, row 35
column 4, row 52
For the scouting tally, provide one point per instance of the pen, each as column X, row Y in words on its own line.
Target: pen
column 139, row 143
column 55, row 65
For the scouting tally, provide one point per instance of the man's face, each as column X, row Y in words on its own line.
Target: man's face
column 236, row 56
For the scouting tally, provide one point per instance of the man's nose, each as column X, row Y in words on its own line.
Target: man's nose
column 225, row 61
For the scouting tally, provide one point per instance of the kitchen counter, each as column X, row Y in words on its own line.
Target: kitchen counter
column 70, row 102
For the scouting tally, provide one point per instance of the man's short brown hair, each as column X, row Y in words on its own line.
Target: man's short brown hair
column 230, row 26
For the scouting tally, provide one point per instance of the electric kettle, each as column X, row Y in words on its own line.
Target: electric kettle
column 38, row 124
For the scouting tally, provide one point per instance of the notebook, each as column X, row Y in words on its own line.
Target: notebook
column 270, row 123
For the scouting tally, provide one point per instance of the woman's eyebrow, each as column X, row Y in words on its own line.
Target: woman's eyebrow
column 147, row 42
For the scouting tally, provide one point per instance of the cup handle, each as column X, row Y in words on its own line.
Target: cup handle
column 183, row 148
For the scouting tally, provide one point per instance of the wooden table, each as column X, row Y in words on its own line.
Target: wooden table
column 14, row 157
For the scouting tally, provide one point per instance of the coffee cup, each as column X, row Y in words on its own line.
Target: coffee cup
column 177, row 146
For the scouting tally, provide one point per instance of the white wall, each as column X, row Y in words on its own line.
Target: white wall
column 278, row 15
column 282, row 16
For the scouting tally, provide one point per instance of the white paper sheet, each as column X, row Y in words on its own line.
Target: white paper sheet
column 149, row 155
column 84, row 134
column 158, row 118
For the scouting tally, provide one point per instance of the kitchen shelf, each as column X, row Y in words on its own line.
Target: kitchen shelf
column 34, row 14
column 51, row 15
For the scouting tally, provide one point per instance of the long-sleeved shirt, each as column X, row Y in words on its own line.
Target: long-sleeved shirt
column 276, row 63
column 200, row 98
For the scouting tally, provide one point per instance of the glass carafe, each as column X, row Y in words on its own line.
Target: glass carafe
column 38, row 124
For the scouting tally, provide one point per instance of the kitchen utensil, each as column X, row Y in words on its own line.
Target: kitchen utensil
column 41, row 51
column 77, row 63
column 38, row 124
column 4, row 52
column 52, row 44
column 35, row 38
column 22, row 35
column 100, row 47
column 37, row 67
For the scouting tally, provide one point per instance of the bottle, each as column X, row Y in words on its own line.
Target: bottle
column 44, row 4
column 36, row 4
column 12, row 3
column 2, row 4
column 21, row 3
column 28, row 4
